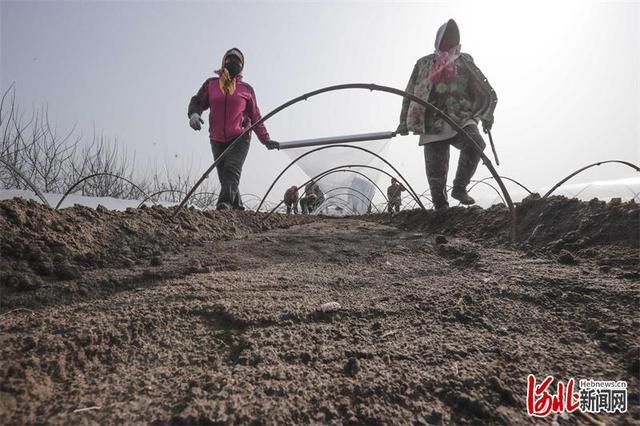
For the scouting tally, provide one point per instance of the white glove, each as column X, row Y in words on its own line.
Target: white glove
column 195, row 121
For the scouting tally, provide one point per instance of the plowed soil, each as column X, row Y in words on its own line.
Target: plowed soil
column 419, row 318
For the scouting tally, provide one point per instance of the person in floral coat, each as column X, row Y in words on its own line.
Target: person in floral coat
column 449, row 80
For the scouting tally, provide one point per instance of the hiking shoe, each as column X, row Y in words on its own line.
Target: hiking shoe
column 462, row 196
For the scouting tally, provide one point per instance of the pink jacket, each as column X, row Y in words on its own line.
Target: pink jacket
column 230, row 114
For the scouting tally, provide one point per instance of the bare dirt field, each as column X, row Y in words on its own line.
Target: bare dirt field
column 418, row 318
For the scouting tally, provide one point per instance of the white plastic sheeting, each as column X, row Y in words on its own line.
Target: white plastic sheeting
column 347, row 201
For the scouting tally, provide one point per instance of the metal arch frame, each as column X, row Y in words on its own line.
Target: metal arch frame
column 408, row 186
column 383, row 205
column 66, row 194
column 635, row 194
column 371, row 87
column 335, row 170
column 364, row 176
column 317, row 178
column 361, row 174
column 248, row 194
column 157, row 193
column 249, row 197
column 482, row 181
column 404, row 198
column 557, row 185
column 355, row 190
column 27, row 181
column 348, row 188
column 423, row 196
column 365, row 166
column 510, row 180
column 336, row 197
column 582, row 190
column 343, row 205
column 206, row 193
column 413, row 206
column 475, row 182
column 341, row 195
column 347, row 209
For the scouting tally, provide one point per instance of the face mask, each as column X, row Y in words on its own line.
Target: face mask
column 233, row 68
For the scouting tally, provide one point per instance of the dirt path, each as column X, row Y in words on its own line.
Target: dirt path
column 428, row 330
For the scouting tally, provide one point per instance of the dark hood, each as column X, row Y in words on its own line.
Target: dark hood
column 449, row 34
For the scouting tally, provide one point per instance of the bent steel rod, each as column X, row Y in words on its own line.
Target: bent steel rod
column 635, row 194
column 337, row 197
column 344, row 169
column 27, row 181
column 320, row 176
column 424, row 196
column 372, row 87
column 158, row 193
column 348, row 188
column 448, row 188
column 407, row 185
column 626, row 163
column 96, row 175
column 342, row 205
column 413, row 206
column 355, row 190
column 510, row 180
column 581, row 191
column 248, row 197
column 204, row 193
column 363, row 200
column 489, row 185
column 208, row 193
column 332, row 171
column 340, row 169
column 364, row 176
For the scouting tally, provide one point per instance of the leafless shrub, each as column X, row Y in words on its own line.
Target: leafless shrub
column 33, row 147
column 56, row 162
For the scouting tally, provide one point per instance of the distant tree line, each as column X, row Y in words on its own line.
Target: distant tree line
column 32, row 148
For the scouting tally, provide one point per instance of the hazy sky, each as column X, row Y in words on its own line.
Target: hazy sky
column 566, row 74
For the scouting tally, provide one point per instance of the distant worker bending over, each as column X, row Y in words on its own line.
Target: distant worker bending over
column 313, row 198
column 291, row 199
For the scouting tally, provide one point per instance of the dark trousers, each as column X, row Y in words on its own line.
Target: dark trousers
column 230, row 169
column 308, row 204
column 394, row 204
column 293, row 206
column 436, row 160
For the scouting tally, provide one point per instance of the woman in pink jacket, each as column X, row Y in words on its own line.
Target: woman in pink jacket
column 233, row 108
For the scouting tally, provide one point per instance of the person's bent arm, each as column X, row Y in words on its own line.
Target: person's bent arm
column 199, row 103
column 483, row 91
column 402, row 127
column 255, row 116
